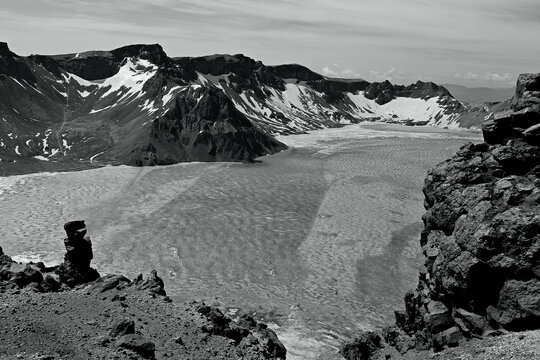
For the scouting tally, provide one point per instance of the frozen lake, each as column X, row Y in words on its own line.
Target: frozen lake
column 321, row 239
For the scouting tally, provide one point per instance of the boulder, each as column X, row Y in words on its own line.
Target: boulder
column 450, row 337
column 108, row 282
column 138, row 345
column 271, row 344
column 364, row 347
column 475, row 323
column 153, row 285
column 5, row 266
column 398, row 339
column 50, row 284
column 123, row 327
column 532, row 135
column 498, row 130
column 519, row 305
column 219, row 324
column 27, row 276
column 438, row 318
column 527, row 92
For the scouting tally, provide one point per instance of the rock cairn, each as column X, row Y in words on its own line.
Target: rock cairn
column 481, row 238
column 75, row 269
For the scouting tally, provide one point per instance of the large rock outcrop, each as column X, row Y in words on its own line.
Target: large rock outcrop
column 76, row 268
column 481, row 238
column 482, row 233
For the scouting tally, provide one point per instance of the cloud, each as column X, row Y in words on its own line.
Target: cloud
column 397, row 40
column 487, row 76
column 340, row 73
column 393, row 75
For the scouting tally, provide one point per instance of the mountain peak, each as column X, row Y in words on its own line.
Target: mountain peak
column 152, row 52
column 4, row 49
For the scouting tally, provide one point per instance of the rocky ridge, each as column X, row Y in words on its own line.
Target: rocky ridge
column 70, row 312
column 481, row 240
column 135, row 105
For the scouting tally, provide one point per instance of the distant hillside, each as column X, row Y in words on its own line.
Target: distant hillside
column 480, row 94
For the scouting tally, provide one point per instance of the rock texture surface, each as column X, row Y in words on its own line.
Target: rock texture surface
column 481, row 237
column 76, row 314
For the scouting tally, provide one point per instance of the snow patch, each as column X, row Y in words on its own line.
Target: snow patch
column 202, row 79
column 17, row 81
column 83, row 82
column 42, row 158
column 167, row 97
column 98, row 110
column 65, row 144
column 84, row 93
column 417, row 110
column 131, row 76
column 94, row 156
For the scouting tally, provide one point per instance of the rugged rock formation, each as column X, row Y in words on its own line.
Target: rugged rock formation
column 76, row 268
column 385, row 92
column 252, row 338
column 209, row 128
column 112, row 316
column 135, row 105
column 481, row 238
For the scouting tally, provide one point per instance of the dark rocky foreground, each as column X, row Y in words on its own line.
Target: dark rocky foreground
column 71, row 312
column 481, row 242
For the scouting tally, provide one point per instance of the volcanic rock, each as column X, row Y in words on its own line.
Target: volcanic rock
column 123, row 327
column 481, row 234
column 27, row 276
column 153, row 285
column 481, row 237
column 363, row 347
column 527, row 92
column 5, row 265
column 219, row 324
column 266, row 337
column 50, row 284
column 76, row 268
column 138, row 344
column 519, row 304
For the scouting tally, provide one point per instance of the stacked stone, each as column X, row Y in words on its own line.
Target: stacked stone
column 75, row 269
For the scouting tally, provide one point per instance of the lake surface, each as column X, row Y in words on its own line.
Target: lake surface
column 321, row 240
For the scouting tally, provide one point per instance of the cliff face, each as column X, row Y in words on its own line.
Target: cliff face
column 208, row 129
column 481, row 237
column 482, row 232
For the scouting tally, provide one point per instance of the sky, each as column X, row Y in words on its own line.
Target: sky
column 476, row 43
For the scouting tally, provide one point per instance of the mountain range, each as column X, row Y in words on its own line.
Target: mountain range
column 135, row 105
